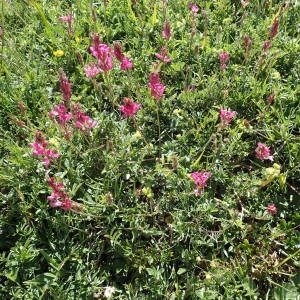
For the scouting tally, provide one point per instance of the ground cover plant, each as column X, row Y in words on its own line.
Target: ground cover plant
column 149, row 149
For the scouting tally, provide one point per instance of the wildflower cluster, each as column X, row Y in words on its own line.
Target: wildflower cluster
column 200, row 180
column 104, row 55
column 129, row 108
column 40, row 149
column 157, row 88
column 62, row 115
column 58, row 197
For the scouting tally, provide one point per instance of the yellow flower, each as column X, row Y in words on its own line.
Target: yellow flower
column 58, row 53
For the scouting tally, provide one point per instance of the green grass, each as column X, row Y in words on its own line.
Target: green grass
column 136, row 223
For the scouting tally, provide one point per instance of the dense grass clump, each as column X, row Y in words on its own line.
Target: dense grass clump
column 149, row 149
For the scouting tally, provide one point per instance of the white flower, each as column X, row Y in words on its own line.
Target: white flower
column 109, row 291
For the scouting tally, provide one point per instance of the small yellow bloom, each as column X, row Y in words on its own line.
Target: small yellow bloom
column 77, row 39
column 58, row 53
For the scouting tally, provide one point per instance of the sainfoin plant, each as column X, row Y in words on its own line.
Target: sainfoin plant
column 149, row 150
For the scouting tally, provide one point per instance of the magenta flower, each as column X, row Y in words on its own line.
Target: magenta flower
column 163, row 55
column 263, row 151
column 166, row 33
column 91, row 70
column 40, row 149
column 224, row 57
column 226, row 116
column 272, row 209
column 118, row 53
column 129, row 108
column 61, row 112
column 266, row 45
column 157, row 88
column 67, row 18
column 65, row 86
column 271, row 97
column 200, row 180
column 58, row 197
column 194, row 8
column 274, row 28
column 103, row 54
column 82, row 121
column 95, row 45
column 247, row 42
column 126, row 63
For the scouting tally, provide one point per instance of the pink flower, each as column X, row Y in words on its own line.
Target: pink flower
column 266, row 45
column 82, row 121
column 224, row 57
column 274, row 28
column 226, row 116
column 65, row 86
column 91, row 70
column 118, row 53
column 263, row 151
column 58, row 197
column 200, row 180
column 166, row 33
column 194, row 8
column 272, row 209
column 126, row 64
column 61, row 112
column 67, row 18
column 103, row 53
column 271, row 97
column 163, row 55
column 129, row 108
column 95, row 44
column 22, row 107
column 40, row 149
column 247, row 42
column 157, row 88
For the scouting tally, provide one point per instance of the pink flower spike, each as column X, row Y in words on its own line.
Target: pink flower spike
column 166, row 33
column 157, row 88
column 118, row 53
column 274, row 28
column 271, row 97
column 60, row 111
column 39, row 149
column 67, row 18
column 46, row 161
column 126, row 64
column 201, row 178
column 163, row 55
column 55, row 203
column 91, row 70
column 129, row 108
column 194, row 8
column 82, row 121
column 103, row 53
column 224, row 57
column 58, row 197
column 226, row 116
column 266, row 45
column 272, row 209
column 263, row 151
column 65, row 86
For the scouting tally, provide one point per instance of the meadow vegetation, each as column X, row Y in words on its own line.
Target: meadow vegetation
column 149, row 149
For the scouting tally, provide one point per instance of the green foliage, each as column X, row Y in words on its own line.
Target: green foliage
column 136, row 223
